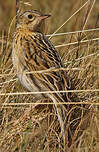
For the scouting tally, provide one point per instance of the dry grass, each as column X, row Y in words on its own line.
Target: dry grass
column 34, row 127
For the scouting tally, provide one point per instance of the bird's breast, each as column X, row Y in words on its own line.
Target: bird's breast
column 19, row 57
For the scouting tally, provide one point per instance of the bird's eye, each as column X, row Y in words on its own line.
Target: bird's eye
column 30, row 16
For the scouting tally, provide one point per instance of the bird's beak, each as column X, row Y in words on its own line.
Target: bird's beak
column 42, row 17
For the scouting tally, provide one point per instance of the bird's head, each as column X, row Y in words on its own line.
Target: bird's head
column 31, row 20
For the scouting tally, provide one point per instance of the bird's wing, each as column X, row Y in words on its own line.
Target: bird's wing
column 40, row 54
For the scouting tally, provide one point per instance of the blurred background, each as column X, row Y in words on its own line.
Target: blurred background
column 60, row 11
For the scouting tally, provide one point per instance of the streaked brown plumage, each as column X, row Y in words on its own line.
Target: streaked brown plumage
column 32, row 51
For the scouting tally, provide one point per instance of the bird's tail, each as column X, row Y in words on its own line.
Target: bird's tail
column 61, row 113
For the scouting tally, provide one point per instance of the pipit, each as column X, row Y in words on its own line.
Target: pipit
column 34, row 52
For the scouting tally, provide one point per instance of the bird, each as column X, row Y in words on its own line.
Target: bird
column 32, row 51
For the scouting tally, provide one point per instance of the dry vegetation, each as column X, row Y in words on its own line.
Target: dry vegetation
column 34, row 127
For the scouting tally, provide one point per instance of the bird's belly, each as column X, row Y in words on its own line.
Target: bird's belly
column 24, row 78
column 27, row 82
column 30, row 86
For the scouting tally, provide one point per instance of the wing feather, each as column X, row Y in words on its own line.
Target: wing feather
column 42, row 55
